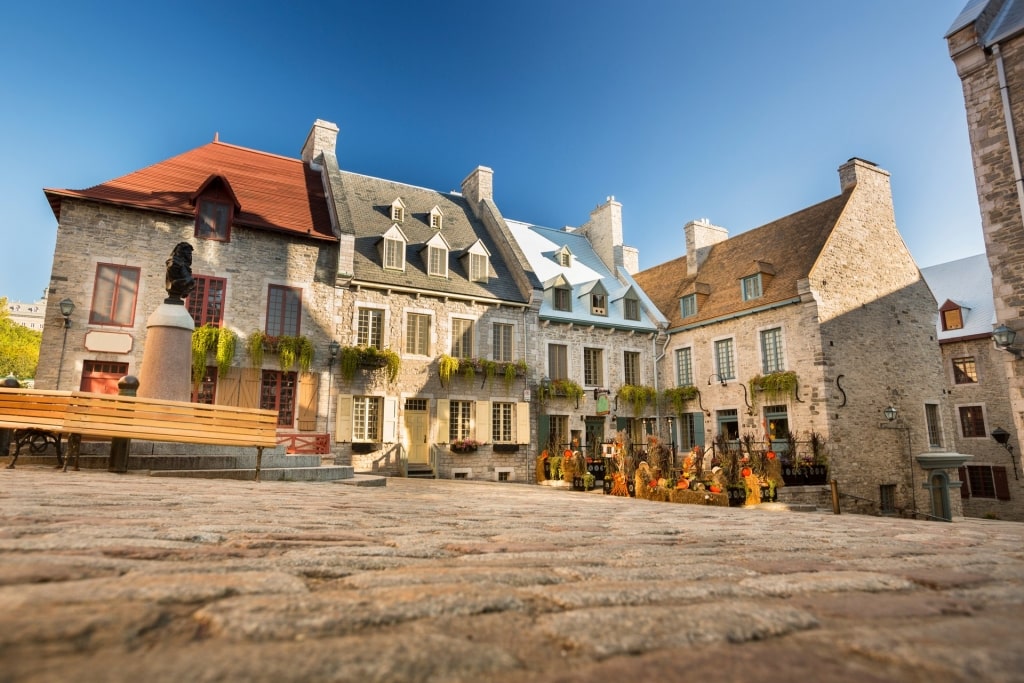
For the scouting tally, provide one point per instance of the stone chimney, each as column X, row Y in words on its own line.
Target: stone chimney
column 478, row 186
column 858, row 172
column 604, row 231
column 701, row 235
column 323, row 137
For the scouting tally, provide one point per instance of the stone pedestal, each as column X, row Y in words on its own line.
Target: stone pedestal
column 167, row 358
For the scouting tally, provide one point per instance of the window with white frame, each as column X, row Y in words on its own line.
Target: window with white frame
column 478, row 267
column 558, row 361
column 631, row 367
column 751, row 287
column 460, row 420
column 501, row 342
column 397, row 211
column 436, row 219
column 771, row 350
column 684, row 367
column 417, row 334
column 366, row 413
column 394, row 254
column 502, row 415
column 437, row 261
column 724, row 360
column 370, row 327
column 593, row 367
column 462, row 338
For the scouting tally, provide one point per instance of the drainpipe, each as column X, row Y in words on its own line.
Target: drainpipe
column 657, row 359
column 1004, row 93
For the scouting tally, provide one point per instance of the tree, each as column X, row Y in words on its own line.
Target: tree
column 19, row 346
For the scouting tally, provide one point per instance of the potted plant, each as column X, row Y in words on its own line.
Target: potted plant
column 447, row 366
column 464, row 446
column 371, row 358
column 679, row 397
column 638, row 396
column 774, row 386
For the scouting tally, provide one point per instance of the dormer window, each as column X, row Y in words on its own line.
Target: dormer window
column 563, row 257
column 562, row 299
column 599, row 303
column 631, row 308
column 437, row 261
column 952, row 315
column 398, row 210
column 436, row 219
column 751, row 287
column 216, row 207
column 478, row 262
column 393, row 250
column 688, row 306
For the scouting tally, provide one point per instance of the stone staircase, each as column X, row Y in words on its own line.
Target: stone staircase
column 215, row 462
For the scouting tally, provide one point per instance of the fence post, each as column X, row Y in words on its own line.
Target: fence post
column 835, row 497
column 119, row 447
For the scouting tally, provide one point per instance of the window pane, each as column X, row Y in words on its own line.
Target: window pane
column 723, row 359
column 417, row 334
column 751, row 287
column 684, row 368
column 206, row 302
column 478, row 267
column 437, row 261
column 631, row 367
column 394, row 254
column 501, row 345
column 213, row 220
column 972, row 421
column 365, row 418
column 771, row 350
column 599, row 304
column 980, row 478
column 501, row 422
column 462, row 338
column 370, row 328
column 593, row 370
column 114, row 295
column 632, row 309
column 277, row 392
column 459, row 420
column 558, row 361
column 563, row 299
column 688, row 305
column 931, row 413
column 964, row 370
column 283, row 306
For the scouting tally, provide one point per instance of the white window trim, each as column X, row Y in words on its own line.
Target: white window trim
column 431, row 340
column 640, row 369
column 604, row 364
column 476, row 333
column 384, row 322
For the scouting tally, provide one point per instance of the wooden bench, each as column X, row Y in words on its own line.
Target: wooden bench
column 127, row 417
column 36, row 418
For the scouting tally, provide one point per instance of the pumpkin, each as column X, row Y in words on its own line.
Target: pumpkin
column 715, row 488
column 770, row 455
column 683, row 484
column 746, row 472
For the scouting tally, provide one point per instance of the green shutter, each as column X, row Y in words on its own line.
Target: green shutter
column 543, row 430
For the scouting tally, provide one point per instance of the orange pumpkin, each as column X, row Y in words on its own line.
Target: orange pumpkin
column 683, row 484
column 770, row 455
column 746, row 472
column 715, row 488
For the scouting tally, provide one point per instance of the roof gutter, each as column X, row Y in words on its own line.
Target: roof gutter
column 734, row 316
column 1018, row 180
column 434, row 294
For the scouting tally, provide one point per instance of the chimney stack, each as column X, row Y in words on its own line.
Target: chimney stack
column 478, row 186
column 323, row 137
column 864, row 173
column 701, row 235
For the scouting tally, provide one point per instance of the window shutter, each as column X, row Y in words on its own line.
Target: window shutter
column 249, row 395
column 698, row 429
column 443, row 417
column 309, row 393
column 621, row 424
column 1002, row 485
column 343, row 428
column 229, row 387
column 543, row 431
column 965, row 488
column 483, row 421
column 390, row 419
column 522, row 422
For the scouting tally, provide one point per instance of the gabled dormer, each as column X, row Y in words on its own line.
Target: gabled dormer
column 752, row 286
column 392, row 248
column 597, row 297
column 216, row 207
column 435, row 255
column 561, row 293
column 436, row 218
column 630, row 304
column 952, row 315
column 691, row 303
column 563, row 257
column 398, row 210
column 477, row 262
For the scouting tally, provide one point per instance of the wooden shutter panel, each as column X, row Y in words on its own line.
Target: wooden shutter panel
column 698, row 429
column 1002, row 485
column 522, row 422
column 390, row 431
column 309, row 395
column 543, row 431
column 443, row 417
column 965, row 488
column 482, row 428
column 229, row 388
column 249, row 395
column 343, row 427
column 621, row 423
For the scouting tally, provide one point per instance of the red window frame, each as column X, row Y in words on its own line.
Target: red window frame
column 284, row 311
column 278, row 391
column 206, row 302
column 206, row 390
column 119, row 288
column 213, row 220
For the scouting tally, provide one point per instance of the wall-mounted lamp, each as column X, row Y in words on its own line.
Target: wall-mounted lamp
column 67, row 307
column 890, row 413
column 720, row 378
column 1002, row 438
column 332, row 349
column 1004, row 337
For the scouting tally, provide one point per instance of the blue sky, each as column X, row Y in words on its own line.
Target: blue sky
column 739, row 112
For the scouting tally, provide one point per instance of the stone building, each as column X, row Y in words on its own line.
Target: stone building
column 28, row 314
column 597, row 339
column 428, row 276
column 814, row 325
column 264, row 260
column 977, row 387
column 986, row 43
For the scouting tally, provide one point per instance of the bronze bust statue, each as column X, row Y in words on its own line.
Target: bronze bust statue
column 179, row 282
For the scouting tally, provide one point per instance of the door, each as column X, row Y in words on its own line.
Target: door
column 101, row 377
column 417, row 423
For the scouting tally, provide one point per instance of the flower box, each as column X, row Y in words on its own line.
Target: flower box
column 363, row 447
column 813, row 475
column 462, row 449
column 506, row 448
column 737, row 496
column 769, row 495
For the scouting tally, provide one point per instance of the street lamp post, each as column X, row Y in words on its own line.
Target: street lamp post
column 67, row 307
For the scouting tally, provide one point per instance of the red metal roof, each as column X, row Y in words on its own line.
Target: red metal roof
column 274, row 192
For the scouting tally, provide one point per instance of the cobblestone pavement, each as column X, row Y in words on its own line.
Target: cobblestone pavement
column 130, row 578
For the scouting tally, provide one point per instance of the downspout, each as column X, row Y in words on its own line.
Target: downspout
column 657, row 359
column 1004, row 94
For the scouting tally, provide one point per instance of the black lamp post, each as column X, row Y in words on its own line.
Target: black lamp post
column 1004, row 337
column 890, row 413
column 1002, row 438
column 67, row 307
column 333, row 349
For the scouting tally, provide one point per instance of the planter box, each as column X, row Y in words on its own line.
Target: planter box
column 815, row 475
column 468, row 449
column 358, row 447
column 597, row 469
column 737, row 497
column 767, row 496
column 506, row 448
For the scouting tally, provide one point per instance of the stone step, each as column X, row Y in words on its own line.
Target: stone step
column 322, row 473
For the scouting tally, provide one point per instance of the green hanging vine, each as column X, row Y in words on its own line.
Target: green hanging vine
column 680, row 397
column 447, row 366
column 254, row 346
column 226, row 342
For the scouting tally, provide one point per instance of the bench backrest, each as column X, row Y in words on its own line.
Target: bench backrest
column 33, row 409
column 150, row 419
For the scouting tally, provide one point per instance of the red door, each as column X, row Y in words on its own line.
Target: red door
column 101, row 377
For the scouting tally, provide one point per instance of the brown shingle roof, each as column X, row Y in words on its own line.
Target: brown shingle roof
column 274, row 192
column 791, row 246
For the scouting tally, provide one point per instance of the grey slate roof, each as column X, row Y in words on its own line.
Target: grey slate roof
column 586, row 270
column 1008, row 22
column 967, row 282
column 363, row 206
